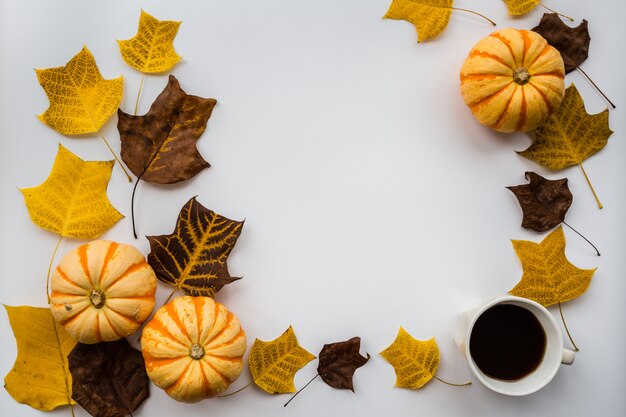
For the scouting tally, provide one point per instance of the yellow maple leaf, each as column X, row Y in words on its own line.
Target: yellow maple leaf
column 430, row 17
column 414, row 361
column 81, row 101
column 72, row 201
column 152, row 48
column 274, row 364
column 520, row 7
column 549, row 278
column 40, row 377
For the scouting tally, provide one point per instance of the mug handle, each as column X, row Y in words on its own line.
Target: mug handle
column 568, row 356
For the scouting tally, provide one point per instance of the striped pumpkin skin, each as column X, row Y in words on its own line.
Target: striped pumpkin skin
column 512, row 80
column 102, row 291
column 193, row 348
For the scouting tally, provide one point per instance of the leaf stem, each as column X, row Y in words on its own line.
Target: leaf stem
column 132, row 207
column 579, row 234
column 300, row 390
column 143, row 77
column 451, row 384
column 566, row 329
column 476, row 13
column 554, row 11
column 235, row 392
column 589, row 79
column 170, row 296
column 590, row 186
column 115, row 156
column 50, row 267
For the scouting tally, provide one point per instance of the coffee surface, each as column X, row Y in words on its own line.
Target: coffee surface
column 507, row 342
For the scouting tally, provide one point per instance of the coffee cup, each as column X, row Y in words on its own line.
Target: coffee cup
column 483, row 335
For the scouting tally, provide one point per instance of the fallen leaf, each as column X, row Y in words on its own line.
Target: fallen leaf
column 72, row 202
column 152, row 48
column 549, row 278
column 572, row 43
column 414, row 361
column 274, row 364
column 194, row 257
column 109, row 378
column 81, row 101
column 40, row 376
column 520, row 7
column 430, row 17
column 339, row 361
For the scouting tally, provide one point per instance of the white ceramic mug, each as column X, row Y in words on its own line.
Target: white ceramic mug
column 555, row 354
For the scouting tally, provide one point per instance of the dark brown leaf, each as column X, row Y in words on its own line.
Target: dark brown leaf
column 108, row 379
column 161, row 145
column 572, row 43
column 338, row 361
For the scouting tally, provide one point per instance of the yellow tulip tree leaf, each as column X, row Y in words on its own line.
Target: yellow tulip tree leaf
column 151, row 50
column 414, row 361
column 520, row 7
column 549, row 278
column 72, row 202
column 40, row 377
column 274, row 364
column 81, row 101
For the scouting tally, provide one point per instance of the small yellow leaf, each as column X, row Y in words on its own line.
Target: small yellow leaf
column 274, row 364
column 414, row 361
column 72, row 202
column 81, row 101
column 430, row 17
column 549, row 278
column 520, row 7
column 152, row 48
column 40, row 377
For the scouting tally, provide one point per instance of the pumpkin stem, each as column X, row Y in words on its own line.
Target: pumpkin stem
column 452, row 384
column 579, row 234
column 50, row 267
column 566, row 329
column 196, row 351
column 300, row 390
column 476, row 13
column 143, row 77
column 116, row 158
column 521, row 76
column 97, row 298
column 590, row 186
column 554, row 11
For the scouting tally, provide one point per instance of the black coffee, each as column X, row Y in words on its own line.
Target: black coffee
column 507, row 342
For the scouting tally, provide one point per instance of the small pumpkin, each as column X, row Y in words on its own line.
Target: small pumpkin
column 512, row 80
column 102, row 291
column 193, row 348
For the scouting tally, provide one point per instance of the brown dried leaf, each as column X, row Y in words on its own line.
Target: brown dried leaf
column 338, row 362
column 572, row 43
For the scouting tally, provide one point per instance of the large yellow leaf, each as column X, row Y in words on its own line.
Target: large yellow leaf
column 274, row 364
column 520, row 7
column 72, row 201
column 152, row 48
column 40, row 376
column 430, row 17
column 414, row 361
column 81, row 101
column 549, row 278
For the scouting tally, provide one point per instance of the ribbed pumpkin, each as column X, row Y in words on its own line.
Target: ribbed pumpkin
column 512, row 80
column 102, row 291
column 193, row 348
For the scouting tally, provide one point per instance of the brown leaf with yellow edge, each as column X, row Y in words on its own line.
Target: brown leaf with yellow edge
column 194, row 257
column 549, row 278
column 521, row 7
column 414, row 361
column 72, row 201
column 274, row 364
column 40, row 377
column 430, row 17
column 81, row 101
column 151, row 50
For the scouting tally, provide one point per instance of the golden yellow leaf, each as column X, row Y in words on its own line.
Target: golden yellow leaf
column 72, row 202
column 430, row 17
column 40, row 376
column 152, row 48
column 549, row 278
column 274, row 364
column 520, row 7
column 414, row 361
column 81, row 101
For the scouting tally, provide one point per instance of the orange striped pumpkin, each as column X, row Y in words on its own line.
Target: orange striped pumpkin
column 512, row 80
column 193, row 348
column 102, row 291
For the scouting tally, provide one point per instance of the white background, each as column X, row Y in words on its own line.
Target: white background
column 372, row 197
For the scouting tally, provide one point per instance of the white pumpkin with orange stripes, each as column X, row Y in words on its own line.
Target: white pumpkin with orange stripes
column 193, row 348
column 102, row 291
column 512, row 80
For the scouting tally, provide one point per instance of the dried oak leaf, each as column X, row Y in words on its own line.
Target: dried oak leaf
column 549, row 278
column 572, row 43
column 151, row 50
column 109, row 378
column 520, row 7
column 194, row 257
column 40, row 376
column 430, row 17
column 414, row 361
column 274, row 364
column 338, row 362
